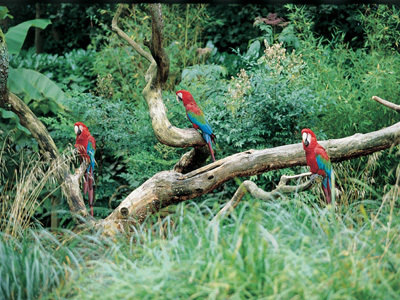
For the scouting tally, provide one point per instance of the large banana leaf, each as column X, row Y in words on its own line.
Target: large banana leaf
column 16, row 35
column 6, row 114
column 33, row 84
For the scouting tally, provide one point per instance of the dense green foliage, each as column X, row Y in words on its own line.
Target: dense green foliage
column 260, row 80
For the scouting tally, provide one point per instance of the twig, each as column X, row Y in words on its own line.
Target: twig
column 386, row 103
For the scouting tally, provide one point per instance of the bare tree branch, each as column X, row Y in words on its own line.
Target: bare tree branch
column 156, row 45
column 256, row 192
column 386, row 103
column 123, row 35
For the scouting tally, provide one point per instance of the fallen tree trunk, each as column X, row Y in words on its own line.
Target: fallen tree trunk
column 170, row 187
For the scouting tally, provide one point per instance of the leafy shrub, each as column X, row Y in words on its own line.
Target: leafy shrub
column 346, row 80
column 264, row 106
column 71, row 70
column 381, row 25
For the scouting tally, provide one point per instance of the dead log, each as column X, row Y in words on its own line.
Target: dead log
column 170, row 187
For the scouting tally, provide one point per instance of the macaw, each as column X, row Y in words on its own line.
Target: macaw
column 86, row 146
column 197, row 117
column 318, row 161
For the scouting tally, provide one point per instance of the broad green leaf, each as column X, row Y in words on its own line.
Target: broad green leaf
column 4, row 13
column 19, row 85
column 34, row 84
column 254, row 50
column 16, row 35
column 44, row 108
column 22, row 128
column 7, row 114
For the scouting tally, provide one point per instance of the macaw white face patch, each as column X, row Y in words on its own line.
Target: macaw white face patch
column 78, row 130
column 179, row 97
column 306, row 138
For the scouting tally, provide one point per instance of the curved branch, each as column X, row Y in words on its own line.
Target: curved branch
column 256, row 192
column 169, row 187
column 156, row 76
column 386, row 103
column 123, row 35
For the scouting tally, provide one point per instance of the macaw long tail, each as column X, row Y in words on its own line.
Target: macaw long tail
column 208, row 139
column 211, row 150
column 91, row 191
column 326, row 187
column 86, row 183
column 88, row 188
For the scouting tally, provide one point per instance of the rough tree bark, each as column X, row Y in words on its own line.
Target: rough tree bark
column 3, row 69
column 185, row 182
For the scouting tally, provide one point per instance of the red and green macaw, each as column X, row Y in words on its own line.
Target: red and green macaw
column 318, row 161
column 197, row 117
column 86, row 146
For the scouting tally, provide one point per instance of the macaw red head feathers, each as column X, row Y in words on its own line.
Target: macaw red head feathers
column 80, row 128
column 185, row 96
column 309, row 138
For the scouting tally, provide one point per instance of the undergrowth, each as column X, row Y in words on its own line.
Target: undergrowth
column 275, row 250
column 289, row 248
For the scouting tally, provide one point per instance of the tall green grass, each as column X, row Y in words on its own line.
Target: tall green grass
column 275, row 250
